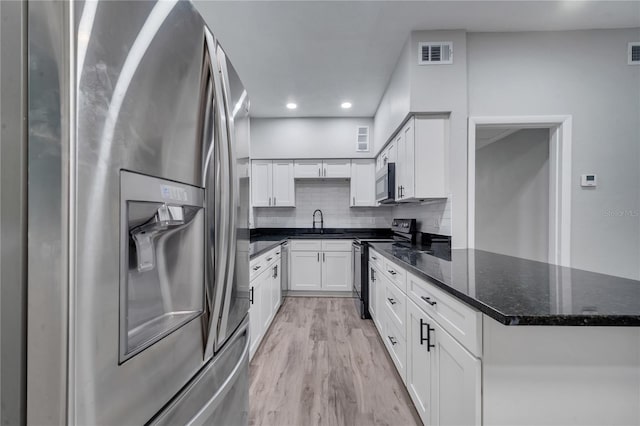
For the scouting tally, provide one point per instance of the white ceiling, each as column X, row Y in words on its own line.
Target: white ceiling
column 320, row 53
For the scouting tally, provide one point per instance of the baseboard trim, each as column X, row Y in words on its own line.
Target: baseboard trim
column 299, row 293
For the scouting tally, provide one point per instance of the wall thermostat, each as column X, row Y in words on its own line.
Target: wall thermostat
column 589, row 180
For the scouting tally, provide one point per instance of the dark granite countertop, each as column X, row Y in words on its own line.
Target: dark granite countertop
column 263, row 245
column 264, row 239
column 517, row 291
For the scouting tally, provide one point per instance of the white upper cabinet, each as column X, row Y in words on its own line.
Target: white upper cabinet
column 305, row 169
column 363, row 176
column 261, row 183
column 337, row 168
column 283, row 184
column 272, row 183
column 422, row 163
column 386, row 156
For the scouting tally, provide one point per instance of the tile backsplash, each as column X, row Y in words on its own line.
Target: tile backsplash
column 433, row 217
column 332, row 197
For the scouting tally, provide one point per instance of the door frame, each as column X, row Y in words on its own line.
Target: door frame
column 559, row 176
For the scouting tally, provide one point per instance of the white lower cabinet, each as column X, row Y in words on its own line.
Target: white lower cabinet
column 276, row 289
column 266, row 306
column 255, row 322
column 419, row 374
column 264, row 296
column 442, row 376
column 336, row 271
column 455, row 381
column 396, row 344
column 321, row 265
column 373, row 288
column 306, row 271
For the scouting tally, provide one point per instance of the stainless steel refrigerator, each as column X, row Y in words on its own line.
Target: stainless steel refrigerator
column 132, row 175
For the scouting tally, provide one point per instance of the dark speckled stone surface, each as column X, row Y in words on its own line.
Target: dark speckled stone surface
column 517, row 291
column 264, row 244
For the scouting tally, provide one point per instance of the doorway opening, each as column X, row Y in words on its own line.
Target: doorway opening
column 519, row 186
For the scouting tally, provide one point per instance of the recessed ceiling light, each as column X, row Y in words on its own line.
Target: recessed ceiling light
column 292, row 105
column 346, row 105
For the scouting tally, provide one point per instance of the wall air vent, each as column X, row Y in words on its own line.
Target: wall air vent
column 362, row 139
column 634, row 53
column 431, row 53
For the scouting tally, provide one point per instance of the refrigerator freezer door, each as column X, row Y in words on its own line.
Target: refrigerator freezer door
column 135, row 81
column 234, row 303
column 219, row 394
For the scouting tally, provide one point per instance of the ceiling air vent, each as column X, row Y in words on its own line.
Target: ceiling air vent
column 634, row 53
column 431, row 53
column 362, row 139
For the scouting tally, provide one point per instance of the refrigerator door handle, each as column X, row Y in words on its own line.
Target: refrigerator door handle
column 218, row 243
column 205, row 412
column 225, row 301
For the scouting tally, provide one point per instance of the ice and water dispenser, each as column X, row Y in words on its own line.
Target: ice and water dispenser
column 161, row 257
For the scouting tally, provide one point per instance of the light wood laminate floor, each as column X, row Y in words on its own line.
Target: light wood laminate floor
column 320, row 364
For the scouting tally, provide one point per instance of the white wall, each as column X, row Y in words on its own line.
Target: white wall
column 332, row 197
column 512, row 195
column 415, row 88
column 282, row 138
column 440, row 88
column 396, row 102
column 585, row 74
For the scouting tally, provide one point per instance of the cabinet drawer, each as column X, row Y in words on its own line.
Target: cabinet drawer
column 257, row 266
column 272, row 256
column 336, row 245
column 461, row 321
column 306, row 245
column 396, row 274
column 396, row 345
column 395, row 303
column 375, row 258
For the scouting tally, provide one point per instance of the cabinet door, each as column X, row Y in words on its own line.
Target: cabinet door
column 336, row 168
column 283, row 184
column 363, row 181
column 307, row 169
column 275, row 286
column 372, row 292
column 408, row 160
column 379, row 297
column 255, row 322
column 266, row 308
column 419, row 374
column 400, row 166
column 306, row 270
column 261, row 173
column 396, row 345
column 430, row 143
column 455, row 385
column 336, row 271
column 392, row 152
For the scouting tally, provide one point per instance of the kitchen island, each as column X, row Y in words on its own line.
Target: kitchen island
column 525, row 342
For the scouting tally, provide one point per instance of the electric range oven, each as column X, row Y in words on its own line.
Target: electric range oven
column 404, row 230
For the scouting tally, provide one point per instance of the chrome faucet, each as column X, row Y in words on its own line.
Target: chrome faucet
column 321, row 221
